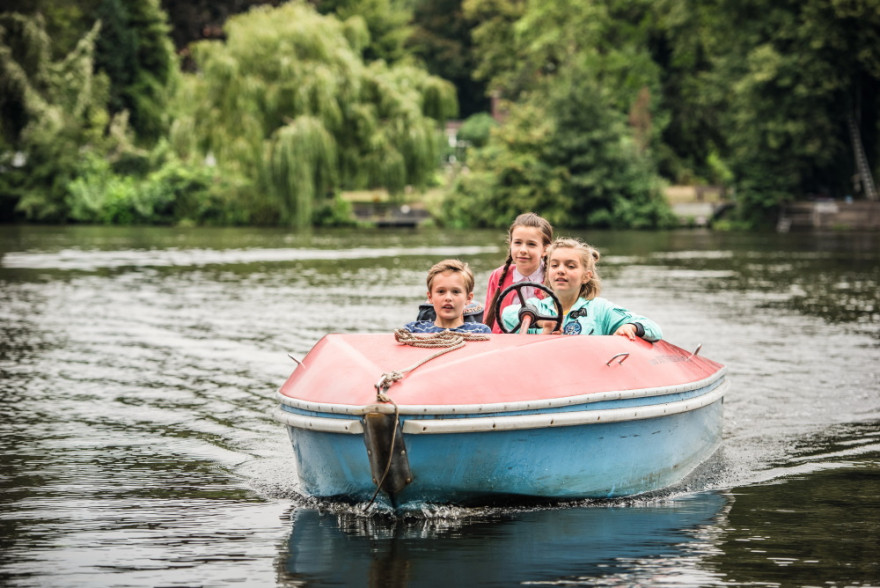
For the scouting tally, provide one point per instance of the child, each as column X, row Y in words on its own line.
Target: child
column 450, row 289
column 572, row 274
column 528, row 238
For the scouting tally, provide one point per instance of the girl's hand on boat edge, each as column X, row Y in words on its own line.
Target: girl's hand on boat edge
column 629, row 330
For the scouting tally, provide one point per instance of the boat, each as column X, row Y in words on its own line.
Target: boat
column 408, row 421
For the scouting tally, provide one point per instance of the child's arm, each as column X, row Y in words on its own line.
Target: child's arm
column 619, row 321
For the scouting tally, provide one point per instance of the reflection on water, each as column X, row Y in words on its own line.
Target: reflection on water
column 138, row 368
column 599, row 544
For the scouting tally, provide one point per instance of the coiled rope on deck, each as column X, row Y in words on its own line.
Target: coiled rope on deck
column 446, row 341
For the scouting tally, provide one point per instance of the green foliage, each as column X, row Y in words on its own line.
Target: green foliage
column 175, row 193
column 115, row 51
column 288, row 101
column 96, row 125
column 300, row 160
column 334, row 212
column 612, row 181
column 754, row 95
column 509, row 176
column 683, row 47
column 64, row 21
column 565, row 156
column 62, row 115
column 496, row 41
column 475, row 129
column 812, row 66
column 24, row 57
column 99, row 196
column 766, row 89
column 386, row 23
column 136, row 53
column 576, row 145
column 441, row 38
column 523, row 44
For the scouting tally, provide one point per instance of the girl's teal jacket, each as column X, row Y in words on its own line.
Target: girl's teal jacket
column 587, row 317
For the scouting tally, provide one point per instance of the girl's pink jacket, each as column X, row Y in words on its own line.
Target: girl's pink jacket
column 511, row 298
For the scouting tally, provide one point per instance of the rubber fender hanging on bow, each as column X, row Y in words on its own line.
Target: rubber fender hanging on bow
column 386, row 450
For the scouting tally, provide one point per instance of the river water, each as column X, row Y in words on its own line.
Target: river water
column 138, row 368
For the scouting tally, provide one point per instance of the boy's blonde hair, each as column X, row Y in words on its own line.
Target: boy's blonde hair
column 452, row 265
column 589, row 258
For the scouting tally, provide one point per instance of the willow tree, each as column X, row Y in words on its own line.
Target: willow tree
column 386, row 20
column 287, row 100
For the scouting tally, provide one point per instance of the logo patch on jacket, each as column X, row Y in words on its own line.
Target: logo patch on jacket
column 572, row 328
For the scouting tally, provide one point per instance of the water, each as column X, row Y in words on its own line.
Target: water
column 137, row 376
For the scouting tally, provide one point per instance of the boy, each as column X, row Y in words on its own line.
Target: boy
column 450, row 289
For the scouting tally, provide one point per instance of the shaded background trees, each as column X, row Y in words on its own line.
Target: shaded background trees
column 189, row 112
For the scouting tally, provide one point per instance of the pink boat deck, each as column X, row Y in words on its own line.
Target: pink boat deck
column 343, row 369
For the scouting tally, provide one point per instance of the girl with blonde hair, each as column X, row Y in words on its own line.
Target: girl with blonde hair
column 573, row 275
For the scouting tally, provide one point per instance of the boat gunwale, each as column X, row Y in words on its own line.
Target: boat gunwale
column 496, row 407
column 513, row 422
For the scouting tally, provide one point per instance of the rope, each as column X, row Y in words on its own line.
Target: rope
column 446, row 340
column 442, row 339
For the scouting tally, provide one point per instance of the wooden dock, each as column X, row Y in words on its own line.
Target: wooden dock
column 859, row 215
column 697, row 206
column 387, row 214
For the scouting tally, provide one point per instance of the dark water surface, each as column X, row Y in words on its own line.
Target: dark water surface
column 138, row 369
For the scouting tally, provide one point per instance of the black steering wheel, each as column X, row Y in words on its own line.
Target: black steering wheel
column 527, row 310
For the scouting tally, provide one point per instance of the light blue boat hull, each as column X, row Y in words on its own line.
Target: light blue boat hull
column 585, row 461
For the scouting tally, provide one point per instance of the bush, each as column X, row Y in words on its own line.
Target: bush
column 177, row 192
column 475, row 130
column 334, row 212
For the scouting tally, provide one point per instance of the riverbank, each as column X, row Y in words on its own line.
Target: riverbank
column 695, row 206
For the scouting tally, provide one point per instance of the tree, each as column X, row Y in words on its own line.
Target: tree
column 65, row 21
column 574, row 74
column 495, row 42
column 567, row 155
column 441, row 38
column 682, row 45
column 194, row 20
column 612, row 178
column 288, row 100
column 136, row 53
column 387, row 22
column 116, row 52
column 787, row 78
column 58, row 112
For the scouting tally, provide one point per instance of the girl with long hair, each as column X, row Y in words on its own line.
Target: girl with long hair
column 528, row 238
